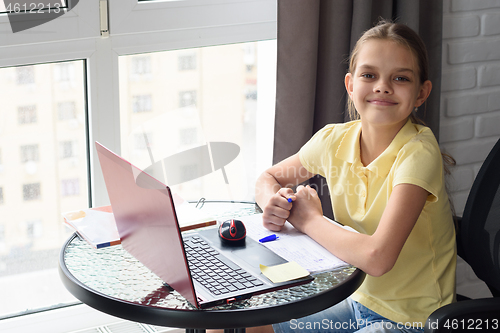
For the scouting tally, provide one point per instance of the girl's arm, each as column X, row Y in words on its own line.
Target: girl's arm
column 374, row 254
column 273, row 188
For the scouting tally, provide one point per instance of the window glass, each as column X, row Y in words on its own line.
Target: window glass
column 43, row 154
column 178, row 106
column 43, row 173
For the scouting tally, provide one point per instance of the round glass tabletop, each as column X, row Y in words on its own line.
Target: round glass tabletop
column 110, row 279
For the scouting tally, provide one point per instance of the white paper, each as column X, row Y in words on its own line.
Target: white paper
column 293, row 245
column 97, row 227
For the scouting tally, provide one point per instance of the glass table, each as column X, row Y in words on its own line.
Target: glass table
column 112, row 281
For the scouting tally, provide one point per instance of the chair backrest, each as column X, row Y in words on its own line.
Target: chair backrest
column 479, row 231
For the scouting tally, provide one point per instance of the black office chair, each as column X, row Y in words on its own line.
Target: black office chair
column 478, row 243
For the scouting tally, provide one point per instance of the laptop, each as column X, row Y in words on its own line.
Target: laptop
column 197, row 265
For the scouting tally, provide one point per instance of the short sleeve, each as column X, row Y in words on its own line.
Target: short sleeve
column 312, row 154
column 419, row 162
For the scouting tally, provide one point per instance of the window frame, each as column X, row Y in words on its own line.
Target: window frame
column 157, row 26
column 233, row 21
column 79, row 23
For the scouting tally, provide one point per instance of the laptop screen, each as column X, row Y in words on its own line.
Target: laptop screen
column 145, row 217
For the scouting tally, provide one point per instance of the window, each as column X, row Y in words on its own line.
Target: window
column 34, row 229
column 68, row 149
column 216, row 102
column 141, row 103
column 70, row 187
column 187, row 62
column 29, row 153
column 31, row 192
column 64, row 72
column 25, row 75
column 86, row 87
column 141, row 65
column 26, row 114
column 187, row 98
column 41, row 183
column 66, row 110
column 249, row 57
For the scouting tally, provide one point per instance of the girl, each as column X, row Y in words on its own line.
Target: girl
column 386, row 180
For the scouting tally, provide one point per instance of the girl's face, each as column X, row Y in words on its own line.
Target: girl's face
column 385, row 85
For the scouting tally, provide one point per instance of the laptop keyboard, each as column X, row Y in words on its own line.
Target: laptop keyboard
column 214, row 271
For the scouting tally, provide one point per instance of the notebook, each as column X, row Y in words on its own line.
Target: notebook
column 149, row 230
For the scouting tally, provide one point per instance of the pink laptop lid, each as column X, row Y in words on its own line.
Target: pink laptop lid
column 145, row 217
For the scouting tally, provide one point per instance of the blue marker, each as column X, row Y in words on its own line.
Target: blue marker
column 269, row 238
column 290, row 200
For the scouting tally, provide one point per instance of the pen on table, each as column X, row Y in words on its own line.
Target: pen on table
column 268, row 238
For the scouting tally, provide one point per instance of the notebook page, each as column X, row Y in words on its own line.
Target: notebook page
column 293, row 245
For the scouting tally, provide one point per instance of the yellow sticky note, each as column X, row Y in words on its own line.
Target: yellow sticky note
column 284, row 272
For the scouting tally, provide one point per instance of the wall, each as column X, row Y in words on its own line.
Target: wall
column 470, row 102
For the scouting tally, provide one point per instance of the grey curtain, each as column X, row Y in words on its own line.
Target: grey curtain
column 315, row 38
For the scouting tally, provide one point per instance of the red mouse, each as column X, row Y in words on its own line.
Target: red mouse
column 232, row 231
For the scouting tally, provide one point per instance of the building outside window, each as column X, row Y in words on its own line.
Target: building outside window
column 66, row 68
column 64, row 72
column 215, row 102
column 70, row 187
column 141, row 65
column 141, row 103
column 26, row 114
column 187, row 98
column 68, row 149
column 34, row 229
column 187, row 62
column 32, row 192
column 30, row 153
column 25, row 75
column 66, row 110
column 32, row 160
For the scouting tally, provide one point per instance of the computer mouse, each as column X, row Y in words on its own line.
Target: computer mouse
column 232, row 232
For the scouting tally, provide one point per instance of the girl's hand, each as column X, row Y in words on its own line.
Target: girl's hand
column 306, row 208
column 277, row 210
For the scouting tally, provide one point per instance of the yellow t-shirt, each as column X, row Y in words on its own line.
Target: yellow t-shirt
column 423, row 278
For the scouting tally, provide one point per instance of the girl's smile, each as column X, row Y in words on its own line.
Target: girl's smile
column 382, row 101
